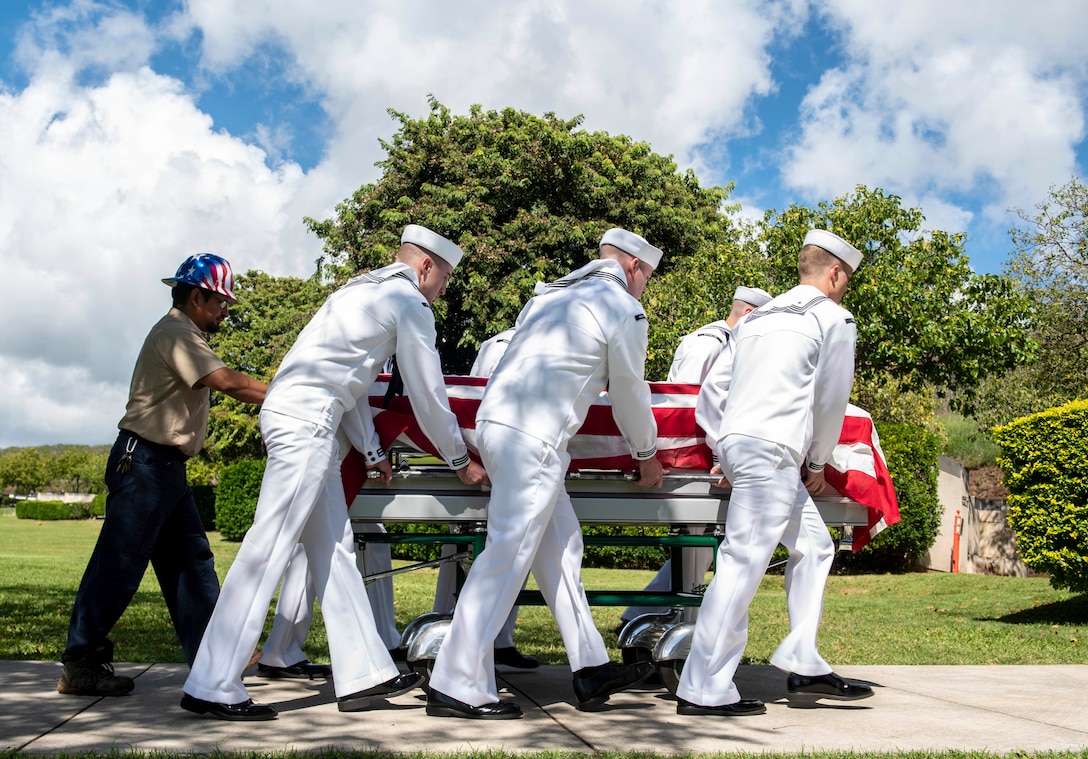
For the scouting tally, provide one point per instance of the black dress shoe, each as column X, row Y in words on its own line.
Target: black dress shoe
column 303, row 669
column 742, row 708
column 594, row 685
column 510, row 656
column 245, row 711
column 360, row 700
column 441, row 705
column 805, row 687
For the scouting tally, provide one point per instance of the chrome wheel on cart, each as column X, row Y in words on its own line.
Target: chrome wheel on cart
column 671, row 651
column 639, row 637
column 421, row 640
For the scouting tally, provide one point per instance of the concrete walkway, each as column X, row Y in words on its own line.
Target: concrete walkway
column 999, row 709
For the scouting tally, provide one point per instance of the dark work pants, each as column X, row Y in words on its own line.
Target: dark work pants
column 150, row 517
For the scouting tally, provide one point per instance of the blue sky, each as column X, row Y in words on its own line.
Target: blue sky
column 133, row 133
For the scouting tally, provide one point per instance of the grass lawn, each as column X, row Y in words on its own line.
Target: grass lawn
column 870, row 619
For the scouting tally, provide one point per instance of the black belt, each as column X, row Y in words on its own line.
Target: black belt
column 170, row 450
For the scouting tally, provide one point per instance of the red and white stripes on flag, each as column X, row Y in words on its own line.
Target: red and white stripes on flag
column 857, row 469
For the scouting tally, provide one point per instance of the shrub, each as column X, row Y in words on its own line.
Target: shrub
column 1045, row 460
column 98, row 506
column 417, row 551
column 200, row 471
column 236, row 497
column 911, row 452
column 625, row 557
column 51, row 510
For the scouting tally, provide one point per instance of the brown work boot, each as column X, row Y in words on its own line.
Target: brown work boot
column 87, row 677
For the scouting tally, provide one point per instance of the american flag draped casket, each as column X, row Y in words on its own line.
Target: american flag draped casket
column 857, row 468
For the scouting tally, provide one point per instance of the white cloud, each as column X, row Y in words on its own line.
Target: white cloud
column 932, row 103
column 939, row 213
column 104, row 189
column 84, row 38
column 674, row 75
column 44, row 403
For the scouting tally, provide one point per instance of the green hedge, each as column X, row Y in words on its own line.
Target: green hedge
column 1045, row 461
column 625, row 557
column 98, row 506
column 622, row 557
column 911, row 452
column 51, row 510
column 236, row 497
column 417, row 552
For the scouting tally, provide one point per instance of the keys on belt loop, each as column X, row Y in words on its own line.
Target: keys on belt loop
column 125, row 464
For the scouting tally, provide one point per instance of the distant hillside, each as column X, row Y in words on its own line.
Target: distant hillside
column 55, row 449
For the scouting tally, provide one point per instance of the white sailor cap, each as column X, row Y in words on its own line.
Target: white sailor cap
column 753, row 296
column 432, row 242
column 632, row 244
column 836, row 246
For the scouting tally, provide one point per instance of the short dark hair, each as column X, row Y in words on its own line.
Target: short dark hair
column 814, row 260
column 181, row 290
column 180, row 293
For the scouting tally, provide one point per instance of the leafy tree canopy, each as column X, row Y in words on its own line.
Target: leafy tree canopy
column 63, row 468
column 924, row 317
column 24, row 469
column 699, row 290
column 526, row 197
column 1050, row 261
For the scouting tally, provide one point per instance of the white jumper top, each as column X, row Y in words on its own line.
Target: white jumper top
column 793, row 369
column 491, row 350
column 342, row 350
column 713, row 392
column 697, row 352
column 576, row 337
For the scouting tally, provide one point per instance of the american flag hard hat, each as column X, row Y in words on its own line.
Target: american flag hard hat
column 208, row 272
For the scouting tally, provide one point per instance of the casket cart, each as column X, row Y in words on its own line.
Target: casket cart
column 421, row 494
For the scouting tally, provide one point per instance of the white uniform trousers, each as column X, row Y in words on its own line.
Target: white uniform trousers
column 373, row 559
column 697, row 561
column 302, row 497
column 445, row 597
column 768, row 505
column 294, row 614
column 530, row 525
column 295, row 609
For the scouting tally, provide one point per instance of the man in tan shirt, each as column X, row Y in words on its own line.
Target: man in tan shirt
column 150, row 512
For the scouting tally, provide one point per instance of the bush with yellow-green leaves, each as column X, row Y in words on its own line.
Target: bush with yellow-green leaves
column 1045, row 460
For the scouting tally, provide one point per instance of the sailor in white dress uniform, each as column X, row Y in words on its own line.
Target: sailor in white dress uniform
column 697, row 355
column 793, row 370
column 445, row 591
column 578, row 335
column 328, row 370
